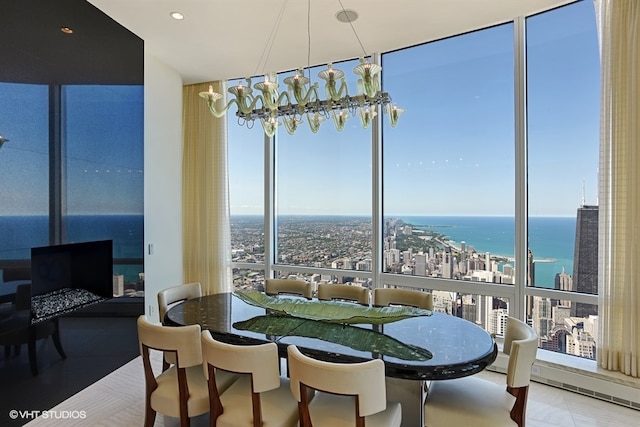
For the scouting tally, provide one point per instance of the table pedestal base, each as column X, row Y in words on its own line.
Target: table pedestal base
column 411, row 395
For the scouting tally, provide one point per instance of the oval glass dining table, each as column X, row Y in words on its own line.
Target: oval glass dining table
column 414, row 349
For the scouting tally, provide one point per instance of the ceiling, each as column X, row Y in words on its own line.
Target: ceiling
column 34, row 50
column 222, row 39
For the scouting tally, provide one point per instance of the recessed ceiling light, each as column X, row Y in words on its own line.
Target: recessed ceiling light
column 177, row 16
column 66, row 30
column 347, row 15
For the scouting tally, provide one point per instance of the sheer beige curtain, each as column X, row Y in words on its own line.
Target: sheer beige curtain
column 205, row 196
column 618, row 347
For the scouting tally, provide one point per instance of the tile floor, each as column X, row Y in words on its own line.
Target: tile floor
column 98, row 346
column 549, row 407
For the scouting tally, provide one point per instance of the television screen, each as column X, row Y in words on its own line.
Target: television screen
column 87, row 265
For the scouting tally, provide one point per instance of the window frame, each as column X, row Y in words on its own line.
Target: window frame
column 516, row 294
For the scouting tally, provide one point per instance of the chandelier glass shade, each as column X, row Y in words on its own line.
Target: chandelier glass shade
column 301, row 98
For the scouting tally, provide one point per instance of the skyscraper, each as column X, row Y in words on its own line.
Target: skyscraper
column 531, row 280
column 585, row 259
column 564, row 282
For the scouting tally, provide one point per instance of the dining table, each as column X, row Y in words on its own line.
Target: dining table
column 416, row 349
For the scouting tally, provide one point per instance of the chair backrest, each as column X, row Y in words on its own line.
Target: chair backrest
column 184, row 341
column 383, row 297
column 364, row 380
column 329, row 291
column 260, row 361
column 16, row 316
column 16, row 273
column 175, row 294
column 23, row 297
column 180, row 392
column 521, row 344
column 288, row 286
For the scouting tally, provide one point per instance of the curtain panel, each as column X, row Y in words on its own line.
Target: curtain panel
column 618, row 344
column 205, row 196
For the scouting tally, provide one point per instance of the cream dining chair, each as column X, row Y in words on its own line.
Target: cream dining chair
column 180, row 391
column 347, row 394
column 288, row 286
column 330, row 291
column 260, row 397
column 477, row 402
column 383, row 297
column 175, row 294
column 168, row 297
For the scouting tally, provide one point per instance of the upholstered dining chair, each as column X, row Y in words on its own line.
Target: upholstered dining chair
column 260, row 397
column 17, row 328
column 330, row 291
column 477, row 402
column 167, row 298
column 181, row 391
column 383, row 297
column 288, row 286
column 175, row 294
column 347, row 394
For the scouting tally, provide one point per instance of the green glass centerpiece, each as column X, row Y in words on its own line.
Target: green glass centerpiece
column 354, row 337
column 329, row 311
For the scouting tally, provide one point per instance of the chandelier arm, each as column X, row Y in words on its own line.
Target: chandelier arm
column 281, row 98
column 333, row 93
column 311, row 96
column 215, row 112
column 245, row 108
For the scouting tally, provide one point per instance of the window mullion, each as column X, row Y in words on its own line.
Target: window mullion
column 55, row 165
column 521, row 209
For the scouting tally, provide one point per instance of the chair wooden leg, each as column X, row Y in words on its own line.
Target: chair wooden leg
column 56, row 338
column 518, row 412
column 185, row 421
column 149, row 416
column 33, row 362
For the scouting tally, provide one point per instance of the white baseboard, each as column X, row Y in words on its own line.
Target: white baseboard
column 580, row 376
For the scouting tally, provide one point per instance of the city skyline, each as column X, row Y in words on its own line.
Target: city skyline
column 343, row 244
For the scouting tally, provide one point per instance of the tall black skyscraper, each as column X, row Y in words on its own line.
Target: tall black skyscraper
column 585, row 259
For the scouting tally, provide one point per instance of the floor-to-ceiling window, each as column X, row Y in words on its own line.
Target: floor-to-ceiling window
column 103, row 173
column 323, row 195
column 563, row 135
column 448, row 167
column 444, row 200
column 24, row 162
column 246, row 200
column 72, row 111
column 76, row 182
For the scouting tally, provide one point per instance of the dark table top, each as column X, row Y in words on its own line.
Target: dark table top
column 433, row 347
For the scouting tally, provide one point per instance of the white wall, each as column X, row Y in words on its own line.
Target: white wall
column 162, row 180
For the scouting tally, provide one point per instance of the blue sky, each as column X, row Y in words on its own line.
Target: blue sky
column 452, row 152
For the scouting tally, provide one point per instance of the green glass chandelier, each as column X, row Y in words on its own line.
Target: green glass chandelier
column 301, row 98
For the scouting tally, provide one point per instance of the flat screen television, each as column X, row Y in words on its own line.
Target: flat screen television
column 87, row 265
